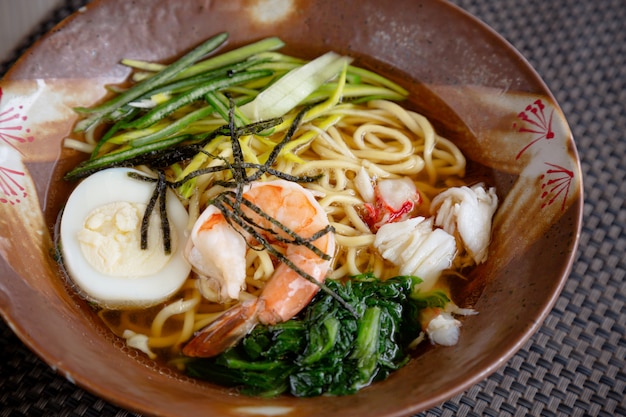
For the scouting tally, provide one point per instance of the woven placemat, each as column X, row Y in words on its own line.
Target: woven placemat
column 575, row 365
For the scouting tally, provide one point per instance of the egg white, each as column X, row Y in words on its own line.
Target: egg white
column 114, row 292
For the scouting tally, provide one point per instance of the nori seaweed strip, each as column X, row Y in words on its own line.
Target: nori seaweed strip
column 238, row 168
column 142, row 177
column 145, row 221
column 276, row 151
column 183, row 152
column 295, row 238
column 161, row 154
column 245, row 165
column 128, row 157
column 239, row 173
column 165, row 224
column 159, row 194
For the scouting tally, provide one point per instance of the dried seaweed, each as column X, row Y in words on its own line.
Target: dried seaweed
column 230, row 203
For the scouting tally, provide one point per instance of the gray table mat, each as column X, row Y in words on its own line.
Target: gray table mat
column 575, row 365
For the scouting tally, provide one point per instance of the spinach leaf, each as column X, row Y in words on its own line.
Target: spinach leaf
column 326, row 349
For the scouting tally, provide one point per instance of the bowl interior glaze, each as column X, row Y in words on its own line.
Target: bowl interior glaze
column 475, row 87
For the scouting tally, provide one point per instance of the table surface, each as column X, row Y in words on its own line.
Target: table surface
column 575, row 365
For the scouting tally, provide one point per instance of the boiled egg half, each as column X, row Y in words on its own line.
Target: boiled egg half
column 100, row 236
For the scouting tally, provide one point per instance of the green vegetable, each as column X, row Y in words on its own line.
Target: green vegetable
column 99, row 112
column 189, row 98
column 127, row 157
column 291, row 89
column 326, row 349
column 165, row 109
column 224, row 59
column 162, row 153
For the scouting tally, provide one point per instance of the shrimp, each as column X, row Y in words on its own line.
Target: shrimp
column 216, row 251
column 287, row 291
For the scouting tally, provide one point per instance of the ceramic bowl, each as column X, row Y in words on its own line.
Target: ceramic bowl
column 475, row 87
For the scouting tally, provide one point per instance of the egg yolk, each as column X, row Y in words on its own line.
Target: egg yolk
column 110, row 241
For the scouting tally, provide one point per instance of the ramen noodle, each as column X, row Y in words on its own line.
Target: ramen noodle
column 352, row 146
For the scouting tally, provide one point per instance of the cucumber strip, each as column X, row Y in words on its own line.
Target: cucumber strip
column 98, row 112
column 206, row 125
column 278, row 56
column 250, row 93
column 142, row 75
column 197, row 162
column 288, row 91
column 278, row 66
column 162, row 110
column 130, row 135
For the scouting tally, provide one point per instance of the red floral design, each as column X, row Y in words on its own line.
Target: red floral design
column 12, row 132
column 536, row 121
column 555, row 184
column 556, row 180
column 11, row 191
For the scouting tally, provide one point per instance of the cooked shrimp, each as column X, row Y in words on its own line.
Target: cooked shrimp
column 287, row 291
column 216, row 252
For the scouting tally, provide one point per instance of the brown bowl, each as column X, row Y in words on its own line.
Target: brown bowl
column 476, row 88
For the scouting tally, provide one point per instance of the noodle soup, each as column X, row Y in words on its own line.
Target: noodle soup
column 396, row 199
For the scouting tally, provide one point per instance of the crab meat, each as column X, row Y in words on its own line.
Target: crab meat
column 386, row 201
column 443, row 330
column 466, row 214
column 417, row 248
column 441, row 326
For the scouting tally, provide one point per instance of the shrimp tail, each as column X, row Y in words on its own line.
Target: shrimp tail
column 223, row 333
